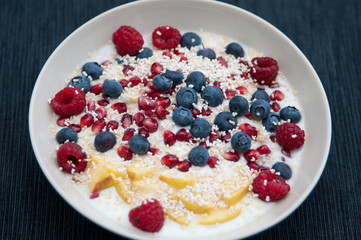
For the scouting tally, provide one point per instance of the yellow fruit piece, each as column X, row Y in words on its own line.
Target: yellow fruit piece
column 137, row 173
column 100, row 178
column 195, row 206
column 180, row 220
column 95, row 159
column 235, row 196
column 122, row 189
column 219, row 216
column 176, row 181
column 144, row 186
column 117, row 173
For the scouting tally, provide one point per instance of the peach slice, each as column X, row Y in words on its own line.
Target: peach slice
column 100, row 178
column 219, row 216
column 122, row 189
column 177, row 182
column 137, row 173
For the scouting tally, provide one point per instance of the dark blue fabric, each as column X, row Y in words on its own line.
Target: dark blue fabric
column 327, row 31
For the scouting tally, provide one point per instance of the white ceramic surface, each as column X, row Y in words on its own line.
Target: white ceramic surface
column 194, row 15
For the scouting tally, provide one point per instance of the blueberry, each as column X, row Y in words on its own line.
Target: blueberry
column 81, row 82
column 235, row 49
column 271, row 122
column 93, row 69
column 182, row 116
column 104, row 141
column 175, row 76
column 190, row 39
column 213, row 96
column 112, row 88
column 291, row 114
column 139, row 144
column 198, row 156
column 197, row 80
column 261, row 94
column 162, row 83
column 186, row 97
column 225, row 121
column 66, row 134
column 146, row 53
column 284, row 170
column 238, row 105
column 260, row 109
column 207, row 53
column 119, row 61
column 200, row 128
column 241, row 142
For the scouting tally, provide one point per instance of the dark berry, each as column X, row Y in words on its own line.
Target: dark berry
column 71, row 158
column 190, row 39
column 104, row 141
column 145, row 53
column 182, row 116
column 68, row 102
column 284, row 170
column 241, row 142
column 127, row 40
column 197, row 80
column 198, row 156
column 213, row 96
column 66, row 134
column 239, row 105
column 260, row 109
column 207, row 53
column 112, row 88
column 162, row 83
column 93, row 69
column 119, row 61
column 200, row 128
column 166, row 37
column 290, row 114
column 186, row 97
column 235, row 49
column 271, row 122
column 261, row 94
column 225, row 121
column 175, row 76
column 139, row 144
column 81, row 82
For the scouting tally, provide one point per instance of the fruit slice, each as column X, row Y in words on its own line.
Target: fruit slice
column 145, row 186
column 178, row 219
column 122, row 189
column 235, row 196
column 100, row 178
column 219, row 216
column 176, row 181
column 111, row 169
column 195, row 206
column 137, row 173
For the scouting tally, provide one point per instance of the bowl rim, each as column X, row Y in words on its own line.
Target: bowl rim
column 279, row 218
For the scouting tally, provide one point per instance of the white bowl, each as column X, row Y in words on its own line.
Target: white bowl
column 210, row 16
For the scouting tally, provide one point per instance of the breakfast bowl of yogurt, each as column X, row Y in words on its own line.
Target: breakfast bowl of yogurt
column 156, row 122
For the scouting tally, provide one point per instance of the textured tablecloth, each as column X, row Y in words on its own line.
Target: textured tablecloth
column 327, row 32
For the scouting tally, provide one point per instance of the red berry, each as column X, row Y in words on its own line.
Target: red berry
column 226, row 138
column 195, row 112
column 154, row 151
column 106, row 63
column 155, row 94
column 126, row 120
column 112, row 125
column 213, row 162
column 71, row 158
column 164, row 102
column 126, row 69
column 151, row 124
column 217, row 85
column 161, row 113
column 96, row 89
column 94, row 195
column 265, row 70
column 222, row 61
column 75, row 127
column 86, row 120
column 251, row 155
column 128, row 134
column 242, row 90
column 148, row 217
column 231, row 77
column 170, row 160
column 277, row 96
column 249, row 116
column 249, row 130
column 275, row 107
column 120, row 107
column 206, row 112
column 263, row 149
column 232, row 156
column 150, row 113
column 145, row 103
column 167, row 54
column 101, row 113
column 90, row 106
column 127, row 40
column 169, row 138
column 156, row 68
column 184, row 166
column 183, row 59
column 139, row 118
column 182, row 135
column 98, row 126
column 61, row 121
column 68, row 102
column 124, row 83
column 269, row 186
column 285, row 152
column 275, row 85
column 203, row 145
column 150, row 85
column 290, row 136
column 273, row 138
column 143, row 131
column 190, row 139
column 103, row 102
column 253, row 166
column 166, row 37
column 214, row 135
column 134, row 81
column 125, row 153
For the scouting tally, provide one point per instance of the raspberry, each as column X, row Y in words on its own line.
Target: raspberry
column 270, row 187
column 68, row 102
column 149, row 216
column 166, row 37
column 127, row 40
column 71, row 158
column 264, row 70
column 290, row 136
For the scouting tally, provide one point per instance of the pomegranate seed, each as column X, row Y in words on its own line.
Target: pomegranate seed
column 213, row 162
column 164, row 102
column 167, row 54
column 106, row 63
column 176, row 52
column 101, row 113
column 183, row 59
column 61, row 121
column 139, row 118
column 251, row 155
column 242, row 62
column 151, row 124
column 253, row 166
column 143, row 131
column 231, row 77
column 75, row 127
column 170, row 160
column 222, row 61
column 112, row 125
column 285, row 152
column 145, row 103
column 94, row 195
column 214, row 135
column 120, row 107
column 156, row 68
column 126, row 69
column 124, row 83
column 190, row 139
column 273, row 138
column 154, row 151
column 134, row 81
column 90, row 106
column 206, row 112
column 103, row 102
column 232, row 156
column 275, row 107
column 128, row 134
column 249, row 130
column 182, row 135
column 98, row 126
column 184, row 166
column 242, row 90
column 150, row 113
column 244, row 76
column 283, row 159
column 86, row 120
column 96, row 89
column 203, row 145
column 125, row 153
column 195, row 112
column 171, row 91
column 217, row 85
column 161, row 113
column 145, row 81
column 126, row 120
column 277, row 96
column 249, row 116
column 263, row 149
column 226, row 138
column 150, row 85
column 155, row 94
column 230, row 94
column 275, row 85
column 169, row 138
